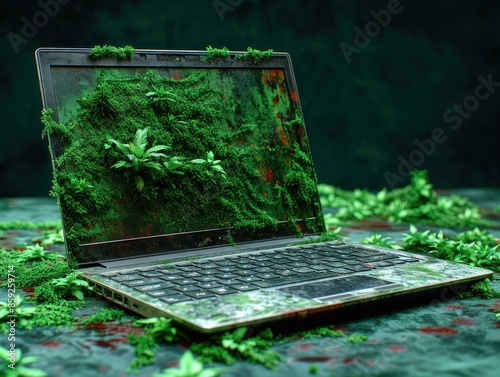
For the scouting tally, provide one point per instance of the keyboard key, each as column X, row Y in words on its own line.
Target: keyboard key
column 248, row 279
column 222, row 291
column 187, row 288
column 205, row 278
column 153, row 287
column 245, row 287
column 162, row 292
column 151, row 274
column 173, row 277
column 226, row 275
column 267, row 276
column 200, row 294
column 126, row 277
column 208, row 285
column 134, row 283
column 176, row 298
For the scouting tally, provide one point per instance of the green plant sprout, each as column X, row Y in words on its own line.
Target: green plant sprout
column 71, row 286
column 160, row 94
column 53, row 238
column 212, row 165
column 377, row 240
column 37, row 253
column 190, row 367
column 174, row 164
column 161, row 329
column 14, row 364
column 22, row 312
column 139, row 158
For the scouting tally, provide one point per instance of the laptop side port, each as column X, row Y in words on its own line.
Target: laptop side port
column 106, row 292
column 118, row 297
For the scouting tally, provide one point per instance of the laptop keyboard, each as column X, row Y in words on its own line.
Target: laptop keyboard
column 202, row 278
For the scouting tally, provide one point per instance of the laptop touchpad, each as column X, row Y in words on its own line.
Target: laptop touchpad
column 339, row 287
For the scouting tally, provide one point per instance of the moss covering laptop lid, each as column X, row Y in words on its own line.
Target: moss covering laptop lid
column 162, row 151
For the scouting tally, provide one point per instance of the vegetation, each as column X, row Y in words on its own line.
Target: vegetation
column 417, row 202
column 190, row 367
column 106, row 51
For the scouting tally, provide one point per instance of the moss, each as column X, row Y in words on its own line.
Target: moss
column 357, row 338
column 106, row 51
column 256, row 55
column 101, row 202
column 481, row 290
column 217, row 53
column 105, row 315
column 35, row 273
column 57, row 315
column 19, row 224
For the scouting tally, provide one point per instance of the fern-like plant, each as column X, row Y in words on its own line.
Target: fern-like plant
column 138, row 158
column 212, row 165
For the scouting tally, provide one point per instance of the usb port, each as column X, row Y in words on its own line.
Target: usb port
column 117, row 297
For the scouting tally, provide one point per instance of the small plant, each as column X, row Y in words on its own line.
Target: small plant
column 160, row 94
column 14, row 307
column 378, row 240
column 37, row 253
column 71, row 286
column 174, row 164
column 357, row 338
column 14, row 364
column 190, row 367
column 211, row 165
column 139, row 158
column 53, row 238
column 476, row 235
column 160, row 329
column 419, row 241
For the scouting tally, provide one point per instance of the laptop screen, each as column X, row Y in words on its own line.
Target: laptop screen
column 173, row 151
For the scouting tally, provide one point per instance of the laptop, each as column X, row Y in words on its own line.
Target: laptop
column 185, row 183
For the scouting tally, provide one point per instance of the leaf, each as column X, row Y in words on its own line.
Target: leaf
column 30, row 372
column 78, row 294
column 139, row 182
column 198, row 161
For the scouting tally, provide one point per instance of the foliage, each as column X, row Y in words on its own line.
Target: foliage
column 476, row 235
column 332, row 235
column 217, row 53
column 36, row 253
column 20, row 224
column 32, row 274
column 160, row 94
column 14, row 307
column 417, row 202
column 53, row 237
column 377, row 240
column 317, row 332
column 357, row 338
column 156, row 330
column 474, row 253
column 190, row 367
column 138, row 159
column 481, row 290
column 71, row 286
column 256, row 55
column 211, row 165
column 18, row 363
column 106, row 51
column 230, row 347
column 56, row 315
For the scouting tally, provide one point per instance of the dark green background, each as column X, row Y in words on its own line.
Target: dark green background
column 361, row 116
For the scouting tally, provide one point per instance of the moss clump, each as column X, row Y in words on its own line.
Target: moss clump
column 105, row 315
column 57, row 315
column 19, row 224
column 481, row 290
column 217, row 53
column 256, row 55
column 106, row 51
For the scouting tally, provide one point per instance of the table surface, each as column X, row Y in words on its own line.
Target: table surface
column 444, row 337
